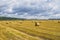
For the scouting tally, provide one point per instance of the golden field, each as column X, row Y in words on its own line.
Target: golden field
column 26, row 30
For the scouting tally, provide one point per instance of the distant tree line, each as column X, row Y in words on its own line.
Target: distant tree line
column 10, row 18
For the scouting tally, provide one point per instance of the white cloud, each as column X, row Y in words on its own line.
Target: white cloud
column 35, row 9
column 57, row 15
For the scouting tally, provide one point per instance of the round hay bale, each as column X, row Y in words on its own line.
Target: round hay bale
column 37, row 24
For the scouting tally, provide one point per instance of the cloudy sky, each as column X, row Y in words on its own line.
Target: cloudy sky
column 30, row 9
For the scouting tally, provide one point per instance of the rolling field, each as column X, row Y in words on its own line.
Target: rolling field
column 26, row 30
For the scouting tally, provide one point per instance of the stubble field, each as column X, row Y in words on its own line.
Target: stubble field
column 26, row 30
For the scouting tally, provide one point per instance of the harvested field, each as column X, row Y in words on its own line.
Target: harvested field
column 26, row 30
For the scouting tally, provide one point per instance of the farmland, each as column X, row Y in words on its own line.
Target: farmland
column 26, row 30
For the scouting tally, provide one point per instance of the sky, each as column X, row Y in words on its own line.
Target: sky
column 30, row 9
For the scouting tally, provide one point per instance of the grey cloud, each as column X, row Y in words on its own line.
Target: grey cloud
column 47, row 8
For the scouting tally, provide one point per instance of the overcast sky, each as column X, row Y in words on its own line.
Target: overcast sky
column 30, row 9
